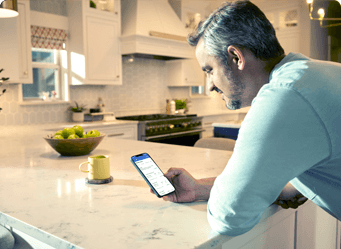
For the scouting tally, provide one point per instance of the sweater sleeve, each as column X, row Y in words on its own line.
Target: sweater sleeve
column 280, row 138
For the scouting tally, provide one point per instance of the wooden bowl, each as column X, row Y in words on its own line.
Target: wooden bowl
column 74, row 147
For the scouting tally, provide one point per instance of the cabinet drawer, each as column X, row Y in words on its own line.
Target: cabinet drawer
column 119, row 132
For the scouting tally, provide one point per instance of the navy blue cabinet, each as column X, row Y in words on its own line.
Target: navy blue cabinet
column 226, row 132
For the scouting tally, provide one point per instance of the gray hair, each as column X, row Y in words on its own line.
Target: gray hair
column 238, row 23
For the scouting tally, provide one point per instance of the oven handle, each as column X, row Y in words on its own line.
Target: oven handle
column 172, row 134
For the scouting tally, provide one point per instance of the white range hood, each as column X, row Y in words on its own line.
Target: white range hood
column 152, row 28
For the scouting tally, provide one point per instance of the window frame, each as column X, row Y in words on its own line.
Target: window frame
column 205, row 94
column 62, row 80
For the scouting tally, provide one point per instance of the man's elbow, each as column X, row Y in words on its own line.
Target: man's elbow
column 231, row 226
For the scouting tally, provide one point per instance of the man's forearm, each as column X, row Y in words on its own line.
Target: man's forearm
column 204, row 187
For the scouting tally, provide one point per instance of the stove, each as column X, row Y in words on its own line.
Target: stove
column 170, row 129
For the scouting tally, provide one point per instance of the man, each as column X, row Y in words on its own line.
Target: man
column 289, row 141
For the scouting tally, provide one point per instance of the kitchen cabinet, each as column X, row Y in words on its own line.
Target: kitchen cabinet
column 289, row 21
column 185, row 72
column 94, row 46
column 308, row 226
column 208, row 121
column 15, row 49
column 226, row 130
column 124, row 131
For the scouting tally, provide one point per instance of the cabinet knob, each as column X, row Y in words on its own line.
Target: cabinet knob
column 26, row 73
column 116, row 12
column 117, row 76
column 186, row 79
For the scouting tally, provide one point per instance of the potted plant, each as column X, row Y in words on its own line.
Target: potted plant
column 77, row 112
column 181, row 105
column 2, row 80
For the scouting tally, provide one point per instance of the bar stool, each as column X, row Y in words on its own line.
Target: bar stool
column 218, row 143
column 11, row 240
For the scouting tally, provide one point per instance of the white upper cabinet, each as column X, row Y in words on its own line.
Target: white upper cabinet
column 291, row 22
column 25, row 53
column 94, row 46
column 15, row 49
column 185, row 72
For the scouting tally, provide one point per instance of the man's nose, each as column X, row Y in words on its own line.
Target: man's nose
column 210, row 83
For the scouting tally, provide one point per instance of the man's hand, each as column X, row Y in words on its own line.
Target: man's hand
column 290, row 198
column 187, row 188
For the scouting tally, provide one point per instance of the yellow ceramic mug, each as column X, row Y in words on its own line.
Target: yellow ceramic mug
column 98, row 167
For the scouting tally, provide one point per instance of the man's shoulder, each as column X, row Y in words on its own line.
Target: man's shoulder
column 299, row 72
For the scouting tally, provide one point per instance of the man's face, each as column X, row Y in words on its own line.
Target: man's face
column 220, row 78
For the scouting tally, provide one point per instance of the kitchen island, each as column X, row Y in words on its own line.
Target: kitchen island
column 45, row 196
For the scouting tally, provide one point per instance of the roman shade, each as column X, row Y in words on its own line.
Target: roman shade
column 43, row 37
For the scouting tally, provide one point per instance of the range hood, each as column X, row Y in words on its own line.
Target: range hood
column 152, row 29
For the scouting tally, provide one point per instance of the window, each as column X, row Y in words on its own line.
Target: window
column 197, row 91
column 49, row 65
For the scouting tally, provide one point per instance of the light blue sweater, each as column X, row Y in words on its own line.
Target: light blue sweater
column 292, row 132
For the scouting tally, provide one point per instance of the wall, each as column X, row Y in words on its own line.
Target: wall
column 144, row 90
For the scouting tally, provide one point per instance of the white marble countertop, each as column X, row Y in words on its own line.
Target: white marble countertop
column 44, row 195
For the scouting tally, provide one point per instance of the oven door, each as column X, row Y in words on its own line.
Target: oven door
column 187, row 138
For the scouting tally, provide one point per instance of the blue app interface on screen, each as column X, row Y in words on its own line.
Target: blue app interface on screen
column 154, row 175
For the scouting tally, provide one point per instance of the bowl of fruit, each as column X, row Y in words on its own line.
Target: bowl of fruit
column 73, row 141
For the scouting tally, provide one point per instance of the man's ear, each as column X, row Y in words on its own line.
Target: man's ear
column 237, row 56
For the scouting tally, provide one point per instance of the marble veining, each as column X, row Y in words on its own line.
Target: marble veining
column 45, row 196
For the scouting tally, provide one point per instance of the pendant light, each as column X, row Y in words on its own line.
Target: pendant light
column 8, row 8
column 321, row 14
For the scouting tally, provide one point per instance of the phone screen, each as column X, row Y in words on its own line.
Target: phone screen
column 153, row 174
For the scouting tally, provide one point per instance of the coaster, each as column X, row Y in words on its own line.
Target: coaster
column 102, row 181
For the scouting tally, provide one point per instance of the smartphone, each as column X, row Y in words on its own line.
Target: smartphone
column 152, row 174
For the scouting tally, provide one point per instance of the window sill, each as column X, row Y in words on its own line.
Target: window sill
column 43, row 102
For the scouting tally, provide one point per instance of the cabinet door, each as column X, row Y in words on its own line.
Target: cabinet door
column 9, row 58
column 122, row 131
column 102, row 51
column 24, row 36
column 289, row 41
column 15, row 46
column 192, row 73
column 316, row 228
column 282, row 235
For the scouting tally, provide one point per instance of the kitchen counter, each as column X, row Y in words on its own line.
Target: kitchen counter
column 88, row 125
column 45, row 196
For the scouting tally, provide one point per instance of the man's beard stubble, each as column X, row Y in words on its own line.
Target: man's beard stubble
column 234, row 99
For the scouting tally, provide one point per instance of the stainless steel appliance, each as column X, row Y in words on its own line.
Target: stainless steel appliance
column 170, row 129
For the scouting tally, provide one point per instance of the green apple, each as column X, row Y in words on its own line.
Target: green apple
column 58, row 137
column 67, row 132
column 78, row 130
column 59, row 133
column 73, row 136
column 93, row 133
column 84, row 135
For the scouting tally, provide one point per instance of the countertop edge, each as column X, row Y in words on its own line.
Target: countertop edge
column 272, row 212
column 36, row 233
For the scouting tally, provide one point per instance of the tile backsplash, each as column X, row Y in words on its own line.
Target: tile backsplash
column 144, row 91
